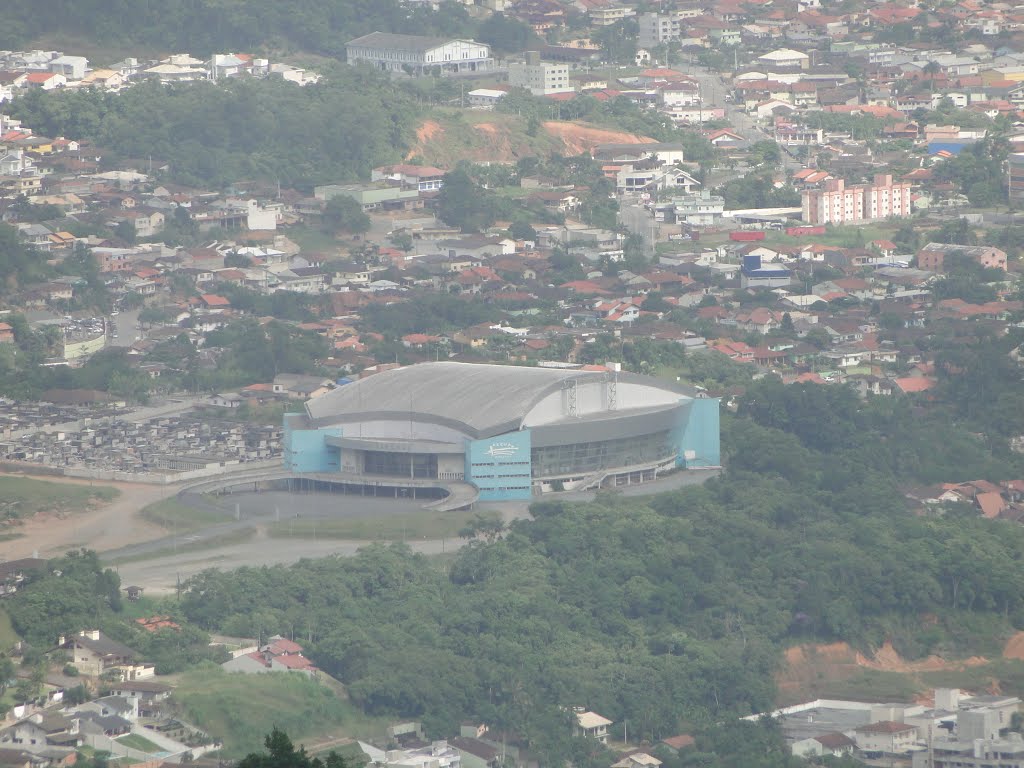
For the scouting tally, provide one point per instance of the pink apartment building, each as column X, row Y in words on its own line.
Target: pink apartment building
column 836, row 203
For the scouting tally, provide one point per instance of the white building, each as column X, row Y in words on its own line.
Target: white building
column 484, row 98
column 72, row 67
column 416, row 54
column 592, row 726
column 605, row 17
column 699, row 210
column 540, row 77
column 440, row 754
column 658, row 28
column 787, row 58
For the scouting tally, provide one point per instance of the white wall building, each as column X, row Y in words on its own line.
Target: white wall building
column 416, row 54
column 540, row 77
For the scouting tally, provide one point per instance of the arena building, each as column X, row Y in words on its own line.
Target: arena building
column 510, row 431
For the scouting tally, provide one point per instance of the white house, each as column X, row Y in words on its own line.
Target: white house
column 71, row 67
column 592, row 726
column 484, row 98
column 786, row 57
column 887, row 737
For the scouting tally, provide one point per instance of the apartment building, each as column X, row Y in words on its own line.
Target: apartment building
column 1016, row 176
column 540, row 78
column 605, row 17
column 837, row 203
column 658, row 28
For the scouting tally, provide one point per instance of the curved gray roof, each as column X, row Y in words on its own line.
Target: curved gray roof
column 479, row 400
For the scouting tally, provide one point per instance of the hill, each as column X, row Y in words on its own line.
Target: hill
column 240, row 709
column 445, row 138
column 202, row 27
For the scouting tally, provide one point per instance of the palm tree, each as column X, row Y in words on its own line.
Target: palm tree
column 932, row 68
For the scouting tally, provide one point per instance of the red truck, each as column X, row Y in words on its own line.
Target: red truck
column 797, row 231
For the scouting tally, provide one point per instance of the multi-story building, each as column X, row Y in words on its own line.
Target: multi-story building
column 540, row 78
column 422, row 178
column 837, row 203
column 605, row 17
column 658, row 28
column 699, row 210
column 416, row 54
column 1016, row 176
column 934, row 255
column 979, row 753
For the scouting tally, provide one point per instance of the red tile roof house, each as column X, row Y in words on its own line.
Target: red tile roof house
column 278, row 655
column 212, row 301
column 420, row 340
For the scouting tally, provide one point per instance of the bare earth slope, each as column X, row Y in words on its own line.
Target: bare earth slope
column 487, row 136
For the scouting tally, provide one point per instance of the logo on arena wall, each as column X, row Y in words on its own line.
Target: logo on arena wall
column 502, row 450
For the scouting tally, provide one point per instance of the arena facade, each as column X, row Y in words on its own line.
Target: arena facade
column 511, row 431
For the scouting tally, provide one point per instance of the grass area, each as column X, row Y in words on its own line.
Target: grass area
column 147, row 606
column 241, row 709
column 840, row 237
column 872, row 685
column 22, row 497
column 1005, row 674
column 175, row 515
column 421, row 524
column 184, row 547
column 310, row 238
column 141, row 743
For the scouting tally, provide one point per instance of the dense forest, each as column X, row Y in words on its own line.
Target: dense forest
column 215, row 134
column 202, row 27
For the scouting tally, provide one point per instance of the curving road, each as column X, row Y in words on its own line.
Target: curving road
column 160, row 572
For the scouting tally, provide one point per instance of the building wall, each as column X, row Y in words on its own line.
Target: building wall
column 454, row 53
column 540, row 79
column 1016, row 176
column 74, row 350
column 889, row 743
column 306, row 450
column 837, row 203
column 701, row 445
column 500, row 467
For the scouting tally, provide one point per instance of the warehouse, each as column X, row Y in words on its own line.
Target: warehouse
column 510, row 431
column 418, row 55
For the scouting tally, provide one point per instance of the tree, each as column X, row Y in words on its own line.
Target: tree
column 344, row 214
column 6, row 673
column 281, row 753
column 464, row 204
column 154, row 315
column 401, row 240
column 506, row 34
column 125, row 230
column 521, row 229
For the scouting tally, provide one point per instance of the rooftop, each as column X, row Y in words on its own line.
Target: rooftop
column 479, row 400
column 399, row 42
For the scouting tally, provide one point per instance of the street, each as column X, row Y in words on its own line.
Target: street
column 713, row 89
column 124, row 325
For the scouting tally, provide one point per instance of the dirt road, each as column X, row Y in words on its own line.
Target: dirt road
column 106, row 527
